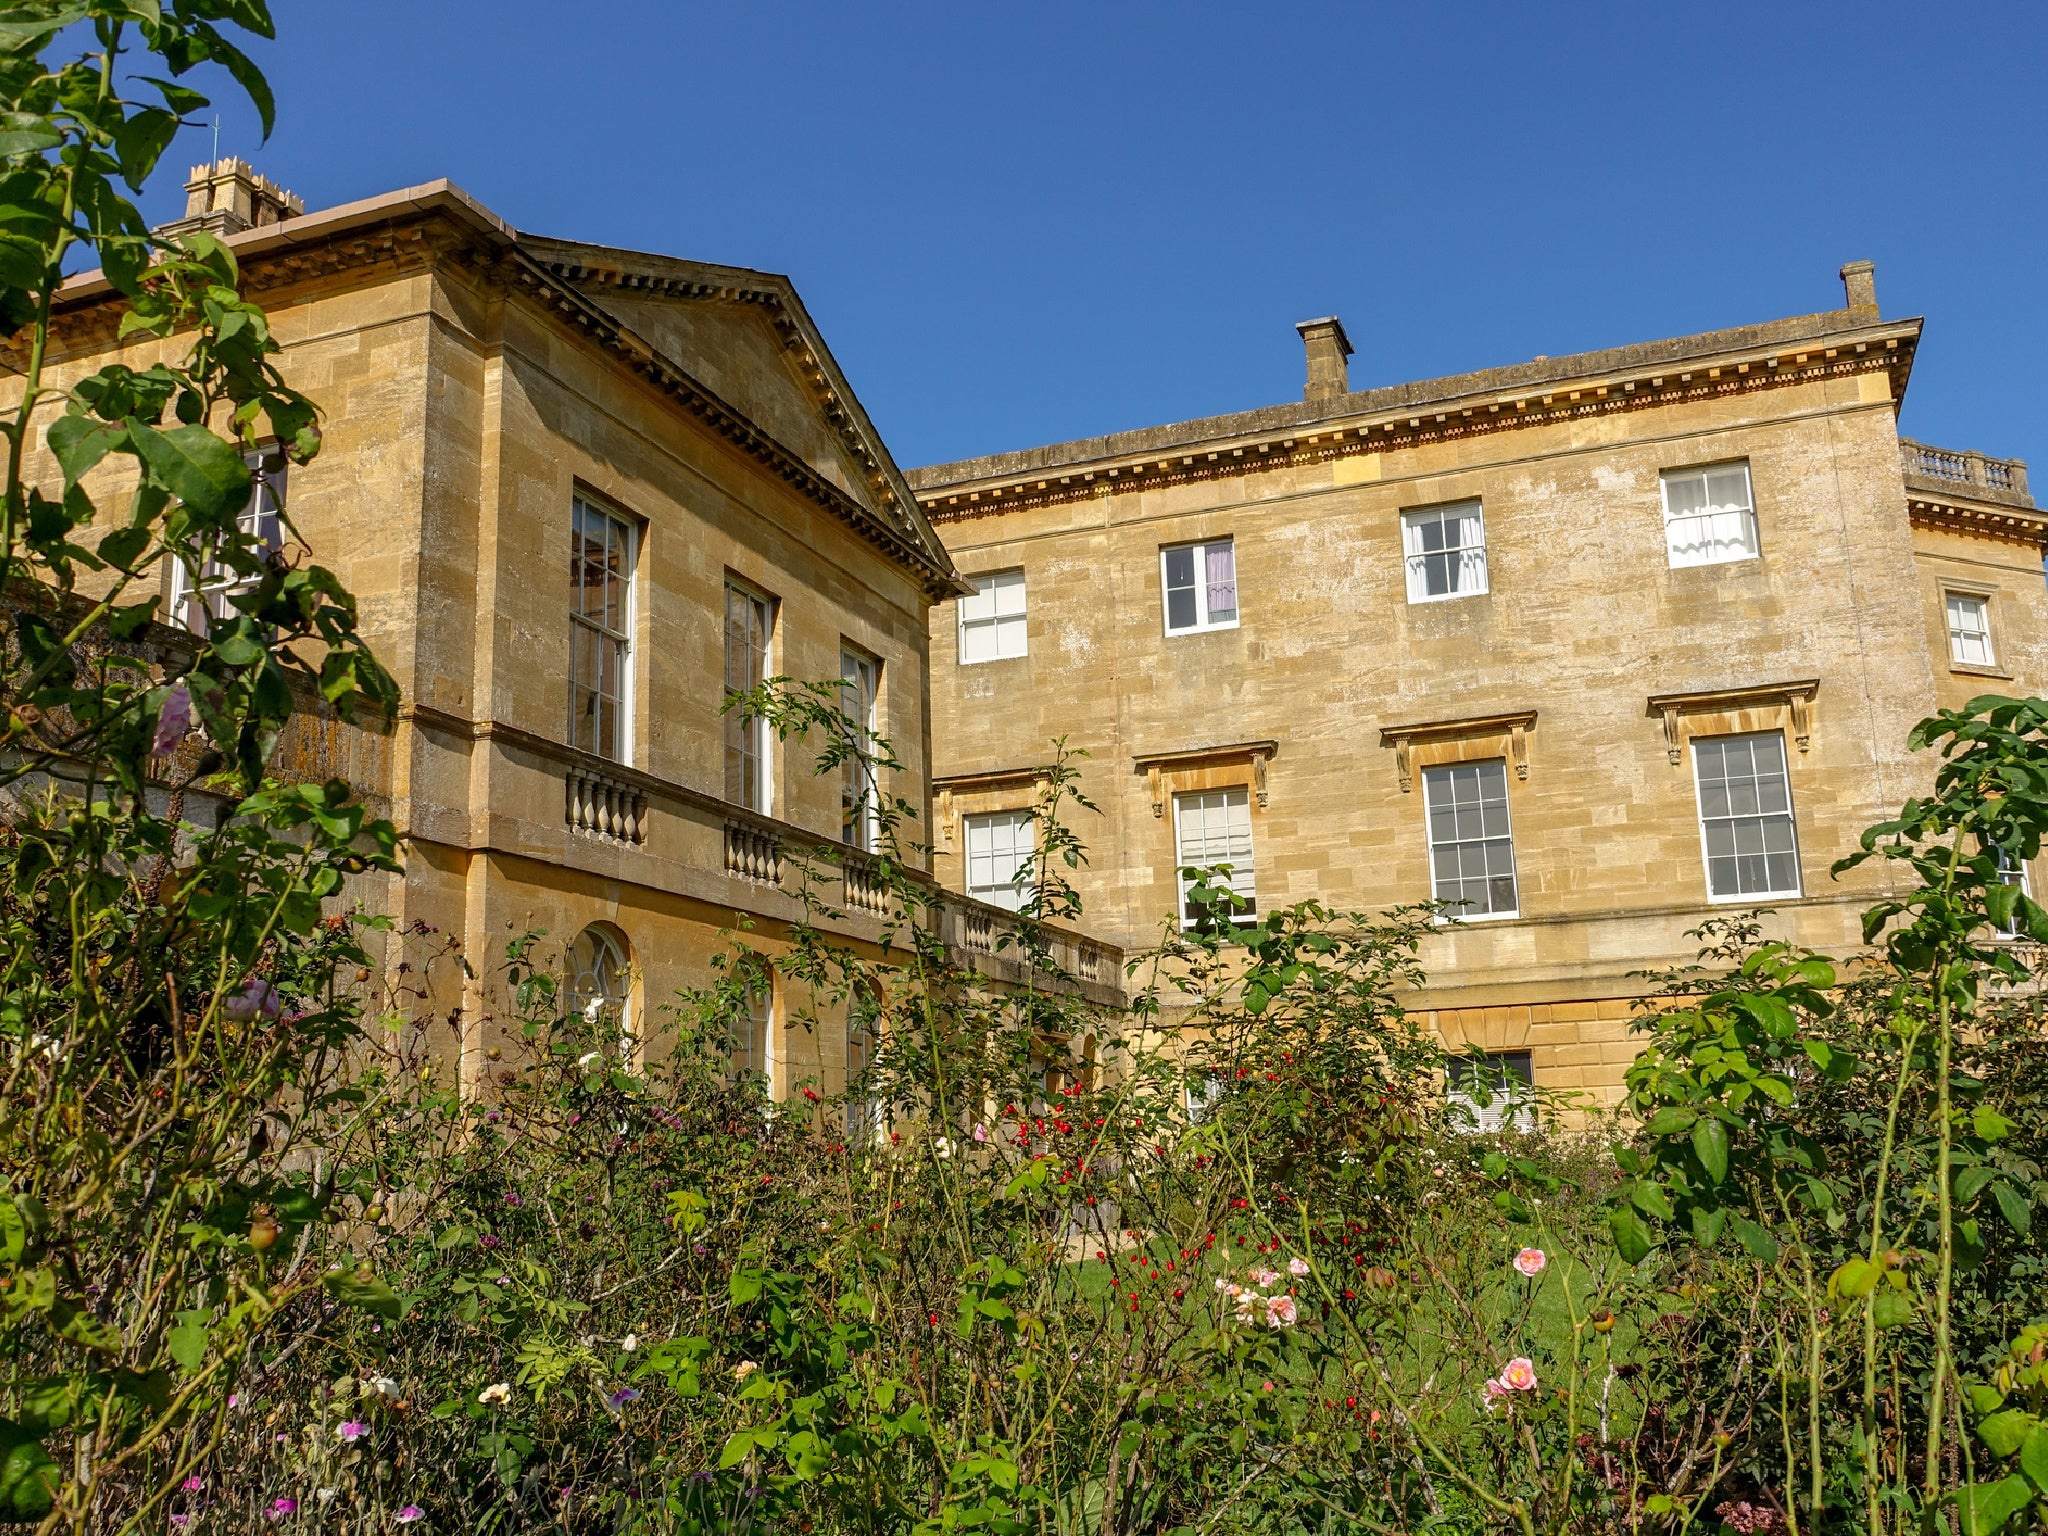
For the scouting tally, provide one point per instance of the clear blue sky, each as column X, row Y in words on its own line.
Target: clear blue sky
column 1023, row 223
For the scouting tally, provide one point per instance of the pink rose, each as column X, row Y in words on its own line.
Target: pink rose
column 1297, row 1267
column 172, row 722
column 1519, row 1374
column 1530, row 1261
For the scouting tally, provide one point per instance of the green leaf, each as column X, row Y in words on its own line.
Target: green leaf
column 1989, row 1124
column 13, row 1232
column 1631, row 1237
column 1759, row 1242
column 201, row 470
column 23, row 133
column 1670, row 1120
column 2013, row 1206
column 2034, row 1457
column 366, row 1291
column 187, row 1345
column 79, row 443
column 1710, row 1145
column 1985, row 1507
column 2006, row 1432
column 1891, row 1309
column 1855, row 1278
column 28, row 1476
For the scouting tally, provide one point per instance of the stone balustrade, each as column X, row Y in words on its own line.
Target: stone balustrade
column 602, row 806
column 753, row 852
column 1966, row 471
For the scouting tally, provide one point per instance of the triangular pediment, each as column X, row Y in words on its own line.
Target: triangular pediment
column 745, row 338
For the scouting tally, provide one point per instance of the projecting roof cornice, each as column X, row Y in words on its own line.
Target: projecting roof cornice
column 438, row 222
column 1714, row 364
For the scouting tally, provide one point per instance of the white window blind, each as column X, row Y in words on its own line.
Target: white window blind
column 999, row 849
column 1746, row 823
column 1969, row 630
column 200, row 599
column 1214, row 826
column 1200, row 584
column 1471, row 846
column 992, row 619
column 749, row 618
column 1446, row 551
column 1708, row 515
column 600, row 631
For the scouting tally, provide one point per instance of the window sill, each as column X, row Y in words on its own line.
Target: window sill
column 1751, row 898
column 989, row 661
column 1701, row 565
column 1970, row 669
column 1200, row 629
column 1460, row 920
column 1446, row 597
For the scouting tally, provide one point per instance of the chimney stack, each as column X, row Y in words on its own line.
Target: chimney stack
column 1329, row 377
column 1859, row 284
column 227, row 197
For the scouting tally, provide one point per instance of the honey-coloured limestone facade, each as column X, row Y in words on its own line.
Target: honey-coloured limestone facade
column 1602, row 645
column 562, row 480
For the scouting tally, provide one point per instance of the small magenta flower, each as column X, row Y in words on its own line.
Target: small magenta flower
column 172, row 721
column 279, row 1508
column 192, row 1484
column 1530, row 1261
column 179, row 1522
column 410, row 1513
column 351, row 1430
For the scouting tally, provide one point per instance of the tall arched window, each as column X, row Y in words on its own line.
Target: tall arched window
column 600, row 983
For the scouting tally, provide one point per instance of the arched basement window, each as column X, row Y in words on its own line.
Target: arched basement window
column 600, row 985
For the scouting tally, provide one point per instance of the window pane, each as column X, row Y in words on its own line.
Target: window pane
column 1471, row 846
column 1746, row 824
column 1181, row 612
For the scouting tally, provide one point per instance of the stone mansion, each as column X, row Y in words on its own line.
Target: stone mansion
column 1589, row 647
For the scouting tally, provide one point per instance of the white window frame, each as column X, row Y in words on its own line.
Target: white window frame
column 860, row 789
column 1233, row 797
column 619, row 638
column 1507, row 1110
column 600, row 976
column 1791, row 814
column 1009, row 630
column 1950, row 598
column 761, row 1030
column 206, row 593
column 1013, row 897
column 1430, row 843
column 1471, row 557
column 1203, row 621
column 2012, row 871
column 740, row 733
column 1703, row 473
